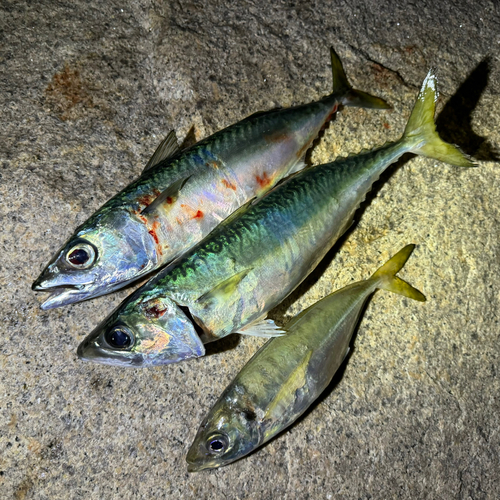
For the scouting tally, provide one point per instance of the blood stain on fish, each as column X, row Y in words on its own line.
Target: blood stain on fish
column 263, row 181
column 152, row 232
column 154, row 311
column 228, row 184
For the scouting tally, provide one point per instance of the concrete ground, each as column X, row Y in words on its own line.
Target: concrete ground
column 88, row 89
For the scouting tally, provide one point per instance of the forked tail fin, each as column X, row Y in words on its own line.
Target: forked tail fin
column 347, row 95
column 420, row 134
column 387, row 279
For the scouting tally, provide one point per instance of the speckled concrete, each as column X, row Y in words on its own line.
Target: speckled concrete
column 87, row 90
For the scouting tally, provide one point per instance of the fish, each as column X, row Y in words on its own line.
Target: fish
column 285, row 376
column 182, row 195
column 256, row 257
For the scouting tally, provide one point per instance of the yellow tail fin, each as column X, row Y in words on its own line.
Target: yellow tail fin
column 350, row 96
column 420, row 134
column 386, row 275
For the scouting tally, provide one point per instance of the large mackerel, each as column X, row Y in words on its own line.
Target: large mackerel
column 182, row 195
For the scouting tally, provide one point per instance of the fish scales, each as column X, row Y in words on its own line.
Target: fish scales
column 182, row 196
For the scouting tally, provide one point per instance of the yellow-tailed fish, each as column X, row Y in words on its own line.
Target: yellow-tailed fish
column 254, row 259
column 288, row 373
column 182, row 195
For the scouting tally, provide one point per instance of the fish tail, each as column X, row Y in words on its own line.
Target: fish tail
column 420, row 136
column 350, row 96
column 387, row 279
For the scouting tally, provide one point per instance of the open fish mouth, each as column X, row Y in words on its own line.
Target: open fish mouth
column 62, row 295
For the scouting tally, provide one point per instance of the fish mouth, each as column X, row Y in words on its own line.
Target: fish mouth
column 197, row 465
column 193, row 466
column 61, row 295
column 105, row 357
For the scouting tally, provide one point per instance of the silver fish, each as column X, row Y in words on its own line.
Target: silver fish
column 182, row 195
column 287, row 374
column 253, row 260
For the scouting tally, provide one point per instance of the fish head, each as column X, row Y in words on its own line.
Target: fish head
column 229, row 432
column 106, row 253
column 150, row 332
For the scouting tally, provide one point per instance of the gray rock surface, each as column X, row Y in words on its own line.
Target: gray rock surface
column 87, row 90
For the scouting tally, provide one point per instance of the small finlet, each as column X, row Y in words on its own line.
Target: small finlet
column 171, row 192
column 167, row 148
column 266, row 328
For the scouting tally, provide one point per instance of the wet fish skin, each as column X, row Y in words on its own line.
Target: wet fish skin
column 257, row 257
column 288, row 373
column 125, row 240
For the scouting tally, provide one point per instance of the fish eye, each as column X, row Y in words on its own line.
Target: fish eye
column 119, row 337
column 81, row 256
column 217, row 443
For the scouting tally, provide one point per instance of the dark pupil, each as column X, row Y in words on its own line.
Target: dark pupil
column 118, row 338
column 78, row 257
column 216, row 445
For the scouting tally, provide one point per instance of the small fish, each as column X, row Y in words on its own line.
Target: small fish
column 182, row 195
column 288, row 373
column 255, row 258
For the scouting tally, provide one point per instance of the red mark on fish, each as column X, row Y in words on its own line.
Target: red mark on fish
column 228, row 184
column 192, row 213
column 263, row 181
column 154, row 311
column 153, row 233
column 146, row 199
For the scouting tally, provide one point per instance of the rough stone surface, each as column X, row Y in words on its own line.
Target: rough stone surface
column 87, row 90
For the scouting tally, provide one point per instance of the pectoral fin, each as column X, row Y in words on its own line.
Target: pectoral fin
column 223, row 290
column 167, row 148
column 266, row 328
column 286, row 395
column 171, row 192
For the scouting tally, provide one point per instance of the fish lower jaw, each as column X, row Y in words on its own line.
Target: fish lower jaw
column 62, row 296
column 197, row 467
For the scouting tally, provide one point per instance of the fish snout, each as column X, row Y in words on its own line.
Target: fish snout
column 43, row 282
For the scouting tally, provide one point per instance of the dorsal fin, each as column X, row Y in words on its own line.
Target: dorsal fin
column 225, row 288
column 286, row 395
column 167, row 148
column 171, row 192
